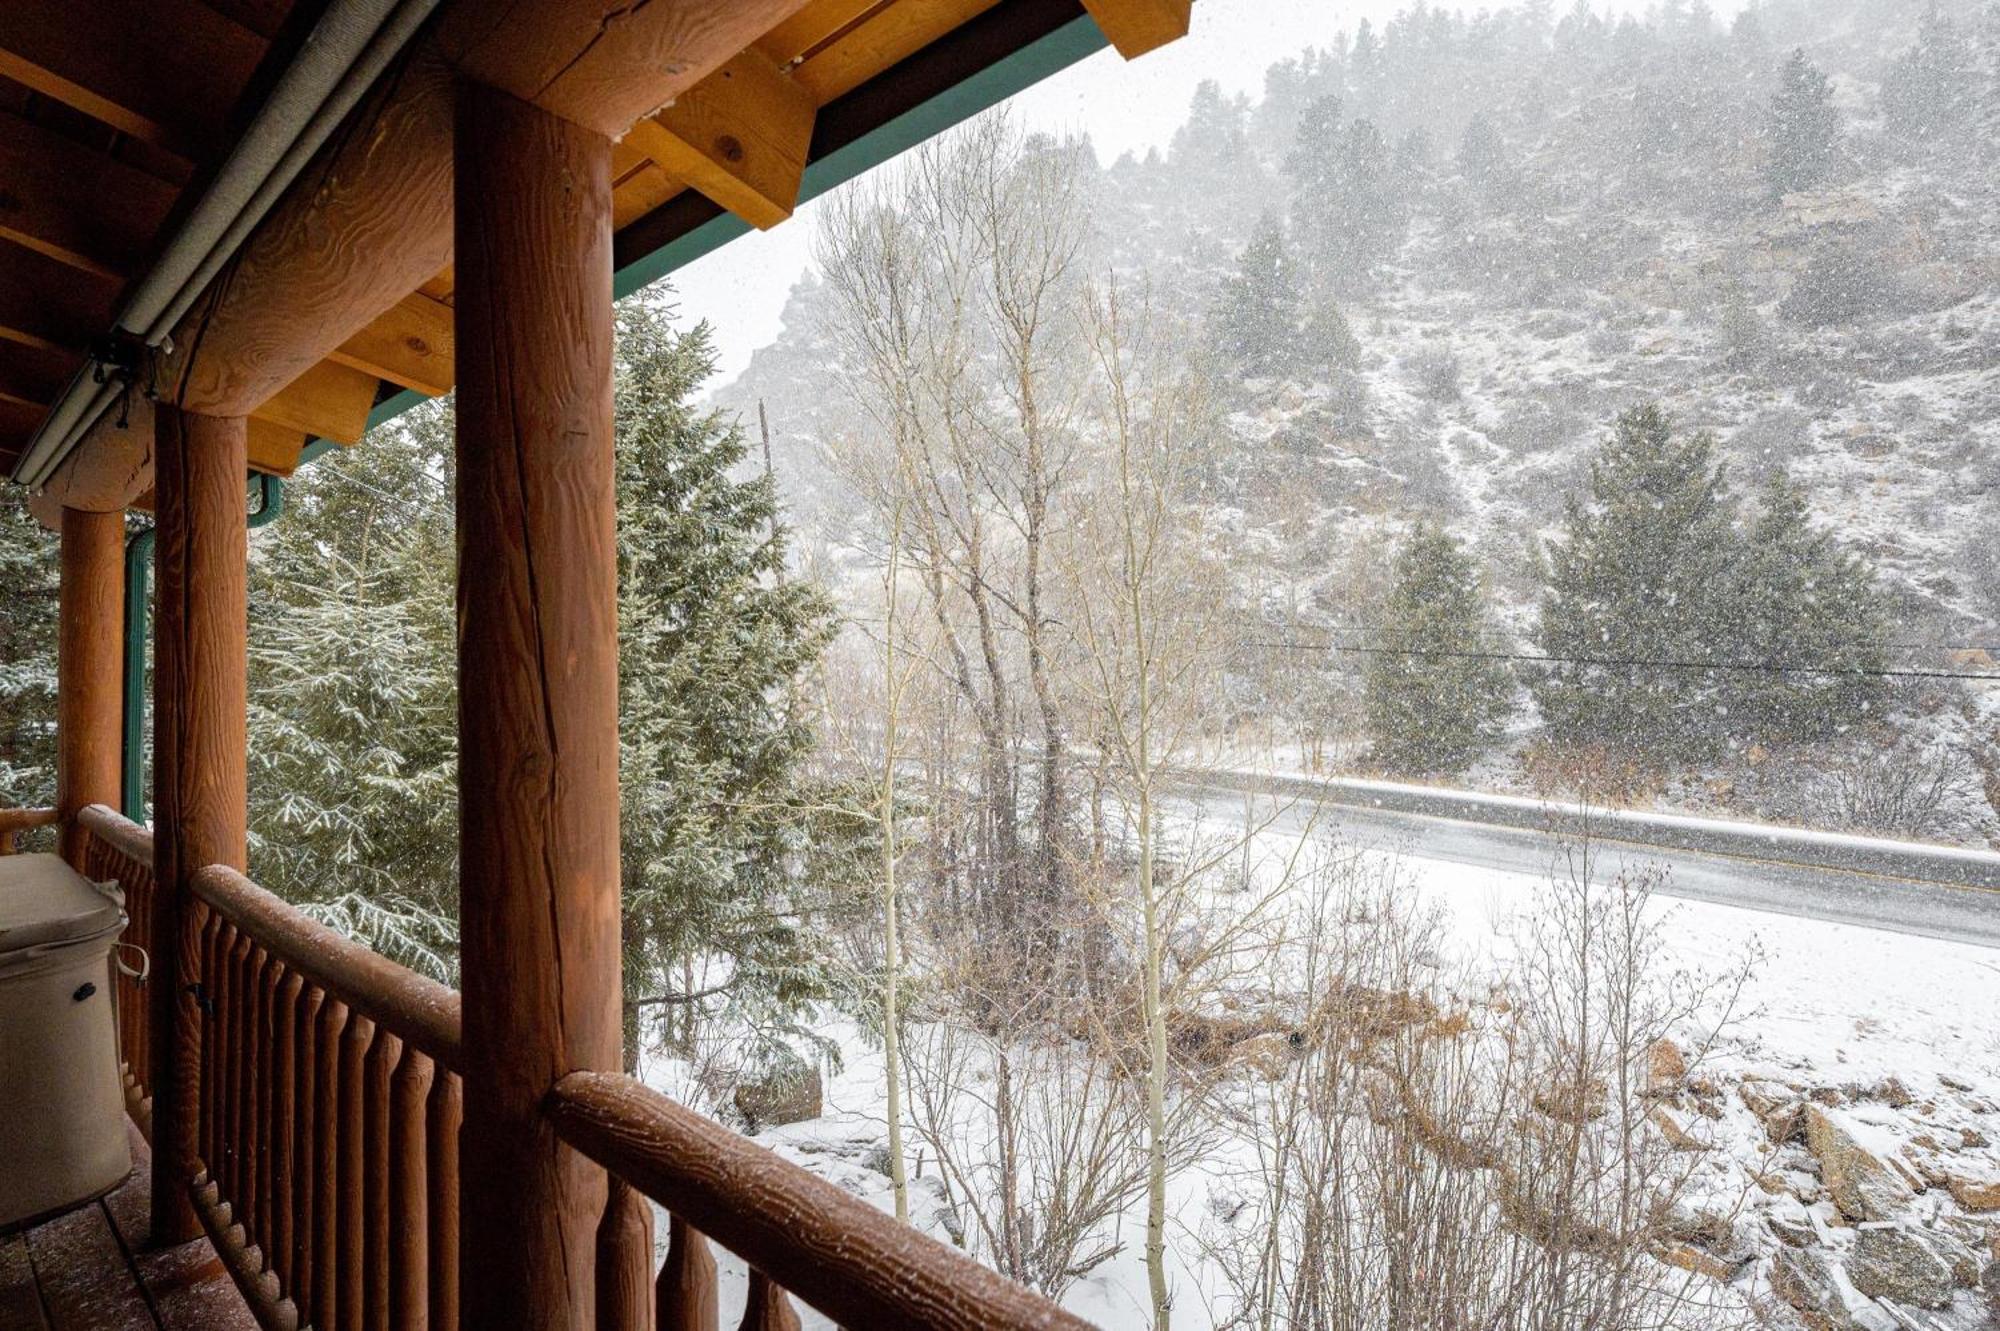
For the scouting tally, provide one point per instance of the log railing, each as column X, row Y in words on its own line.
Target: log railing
column 329, row 1111
column 853, row 1262
column 13, row 822
column 120, row 851
column 329, row 1103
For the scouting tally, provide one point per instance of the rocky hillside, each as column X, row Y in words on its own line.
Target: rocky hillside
column 1585, row 214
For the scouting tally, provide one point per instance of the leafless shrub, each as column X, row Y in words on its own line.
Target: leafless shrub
column 1436, row 374
column 1906, row 790
column 1447, row 1154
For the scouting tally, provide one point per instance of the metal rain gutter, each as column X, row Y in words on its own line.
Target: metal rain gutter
column 346, row 51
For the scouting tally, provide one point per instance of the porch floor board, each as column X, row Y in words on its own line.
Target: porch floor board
column 91, row 1270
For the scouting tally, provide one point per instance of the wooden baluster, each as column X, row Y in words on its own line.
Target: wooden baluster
column 284, row 1125
column 383, row 1057
column 408, row 1202
column 208, row 980
column 687, row 1281
column 625, row 1260
column 768, row 1308
column 444, row 1114
column 305, row 1152
column 326, row 1199
column 352, row 1269
column 236, row 1031
column 257, row 1098
column 269, row 1072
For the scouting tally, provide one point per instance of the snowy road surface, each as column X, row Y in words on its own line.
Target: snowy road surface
column 1962, row 914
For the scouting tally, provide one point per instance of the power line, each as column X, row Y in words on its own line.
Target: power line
column 1630, row 662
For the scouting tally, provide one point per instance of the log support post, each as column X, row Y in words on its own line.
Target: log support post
column 200, row 763
column 89, row 681
column 538, row 696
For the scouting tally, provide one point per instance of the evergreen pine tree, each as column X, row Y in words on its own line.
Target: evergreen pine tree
column 1934, row 84
column 1432, row 706
column 1480, row 157
column 1804, row 603
column 726, row 855
column 1256, row 316
column 353, row 720
column 1642, row 574
column 28, row 571
column 1802, row 128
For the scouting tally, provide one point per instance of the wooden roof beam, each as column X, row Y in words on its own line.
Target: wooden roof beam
column 370, row 220
column 1138, row 26
column 740, row 136
column 412, row 345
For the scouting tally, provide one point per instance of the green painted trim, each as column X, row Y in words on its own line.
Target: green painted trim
column 138, row 581
column 132, row 758
column 1028, row 66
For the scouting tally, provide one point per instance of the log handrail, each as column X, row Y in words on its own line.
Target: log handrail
column 852, row 1261
column 15, row 821
column 118, row 832
column 416, row 1010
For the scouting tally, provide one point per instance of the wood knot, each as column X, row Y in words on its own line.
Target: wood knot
column 729, row 148
column 418, row 345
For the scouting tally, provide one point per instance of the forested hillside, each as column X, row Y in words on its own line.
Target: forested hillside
column 1432, row 265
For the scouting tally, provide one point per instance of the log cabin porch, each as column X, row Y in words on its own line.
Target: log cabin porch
column 235, row 232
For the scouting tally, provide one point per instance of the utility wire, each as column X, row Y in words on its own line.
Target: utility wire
column 1628, row 662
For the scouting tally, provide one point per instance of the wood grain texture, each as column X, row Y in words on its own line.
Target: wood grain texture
column 200, row 763
column 417, row 1010
column 852, row 1261
column 686, row 1294
column 89, row 670
column 411, row 344
column 409, row 1201
column 602, row 64
column 740, row 136
column 538, row 705
column 625, row 1261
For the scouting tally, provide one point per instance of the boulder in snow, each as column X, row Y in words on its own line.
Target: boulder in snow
column 1861, row 1185
column 1813, row 1283
column 1903, row 1263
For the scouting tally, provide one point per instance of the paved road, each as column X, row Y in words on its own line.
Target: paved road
column 1967, row 914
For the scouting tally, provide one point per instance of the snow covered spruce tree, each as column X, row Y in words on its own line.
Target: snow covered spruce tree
column 1433, row 705
column 353, row 726
column 1674, row 625
column 1639, row 578
column 1802, row 128
column 1255, row 321
column 1814, row 615
column 1934, row 85
column 719, row 831
column 27, row 655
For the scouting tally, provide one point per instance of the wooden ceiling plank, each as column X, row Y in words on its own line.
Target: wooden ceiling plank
column 165, row 71
column 1138, row 26
column 814, row 25
column 75, row 204
column 876, row 43
column 412, row 344
column 45, row 303
column 330, row 400
column 740, row 136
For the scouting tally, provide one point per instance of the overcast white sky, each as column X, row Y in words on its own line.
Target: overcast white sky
column 741, row 288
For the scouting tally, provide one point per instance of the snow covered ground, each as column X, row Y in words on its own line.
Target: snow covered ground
column 1901, row 1032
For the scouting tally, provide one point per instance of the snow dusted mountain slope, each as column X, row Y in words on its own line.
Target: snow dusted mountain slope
column 1615, row 240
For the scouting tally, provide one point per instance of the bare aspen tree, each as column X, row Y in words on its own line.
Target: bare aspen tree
column 1143, row 616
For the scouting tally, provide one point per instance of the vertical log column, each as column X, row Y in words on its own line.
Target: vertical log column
column 200, row 800
column 89, row 664
column 538, row 695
